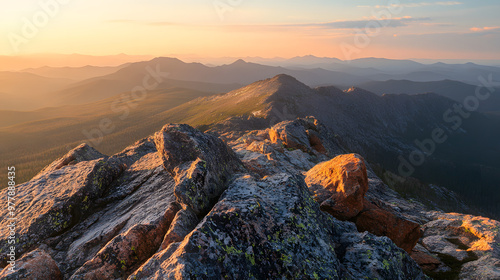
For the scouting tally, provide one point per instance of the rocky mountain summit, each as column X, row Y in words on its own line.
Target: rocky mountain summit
column 397, row 132
column 285, row 202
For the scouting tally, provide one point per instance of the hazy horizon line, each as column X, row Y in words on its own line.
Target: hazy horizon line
column 192, row 57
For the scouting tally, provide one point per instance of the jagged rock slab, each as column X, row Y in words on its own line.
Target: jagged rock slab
column 200, row 163
column 125, row 252
column 139, row 198
column 273, row 229
column 468, row 245
column 55, row 201
column 81, row 153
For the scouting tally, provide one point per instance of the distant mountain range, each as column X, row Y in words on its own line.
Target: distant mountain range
column 74, row 73
column 54, row 86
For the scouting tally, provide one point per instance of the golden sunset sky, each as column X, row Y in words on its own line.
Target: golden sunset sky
column 217, row 28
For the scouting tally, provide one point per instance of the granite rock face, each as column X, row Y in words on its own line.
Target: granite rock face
column 201, row 165
column 183, row 204
column 466, row 246
column 55, row 201
column 271, row 228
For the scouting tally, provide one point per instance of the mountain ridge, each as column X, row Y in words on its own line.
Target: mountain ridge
column 382, row 128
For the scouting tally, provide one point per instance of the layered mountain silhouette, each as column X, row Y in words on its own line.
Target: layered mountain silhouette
column 80, row 85
column 193, row 76
column 454, row 90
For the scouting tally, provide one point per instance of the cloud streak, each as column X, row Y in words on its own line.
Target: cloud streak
column 416, row 5
column 485, row 29
column 333, row 25
column 357, row 24
column 139, row 22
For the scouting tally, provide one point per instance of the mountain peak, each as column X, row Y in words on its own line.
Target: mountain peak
column 167, row 60
column 284, row 78
column 239, row 62
column 281, row 84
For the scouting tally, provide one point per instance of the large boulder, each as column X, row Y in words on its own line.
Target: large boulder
column 271, row 228
column 201, row 164
column 306, row 134
column 259, row 230
column 339, row 185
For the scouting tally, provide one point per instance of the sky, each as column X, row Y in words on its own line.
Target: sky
column 399, row 29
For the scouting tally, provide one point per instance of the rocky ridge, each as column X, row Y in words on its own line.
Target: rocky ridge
column 187, row 205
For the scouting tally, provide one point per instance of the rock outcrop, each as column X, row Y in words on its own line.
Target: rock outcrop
column 81, row 153
column 126, row 251
column 183, row 204
column 271, row 229
column 340, row 185
column 306, row 134
column 201, row 165
column 57, row 200
column 466, row 246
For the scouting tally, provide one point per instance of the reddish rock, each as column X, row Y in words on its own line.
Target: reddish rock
column 425, row 260
column 339, row 185
column 404, row 233
column 184, row 222
column 124, row 253
column 32, row 266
